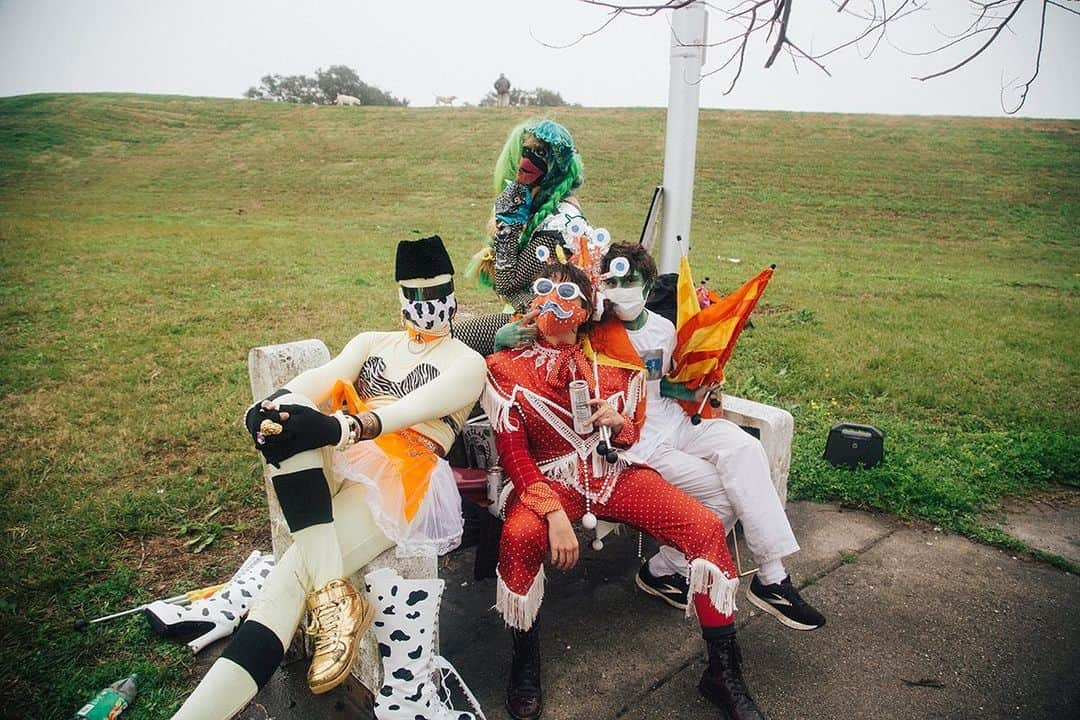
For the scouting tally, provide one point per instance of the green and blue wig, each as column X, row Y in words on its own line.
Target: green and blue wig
column 565, row 172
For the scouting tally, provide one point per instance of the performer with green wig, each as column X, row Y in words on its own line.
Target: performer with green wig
column 536, row 175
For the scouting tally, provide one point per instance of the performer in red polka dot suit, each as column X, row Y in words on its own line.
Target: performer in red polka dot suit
column 559, row 477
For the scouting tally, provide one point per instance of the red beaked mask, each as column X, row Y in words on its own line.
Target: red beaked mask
column 532, row 169
column 557, row 316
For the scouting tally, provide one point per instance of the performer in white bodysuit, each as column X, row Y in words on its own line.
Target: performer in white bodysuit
column 356, row 482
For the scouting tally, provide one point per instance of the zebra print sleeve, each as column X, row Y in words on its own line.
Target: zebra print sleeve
column 454, row 387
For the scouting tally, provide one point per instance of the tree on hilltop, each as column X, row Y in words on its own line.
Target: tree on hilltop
column 322, row 89
column 287, row 88
column 540, row 97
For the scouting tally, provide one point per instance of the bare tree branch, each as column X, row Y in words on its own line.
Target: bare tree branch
column 641, row 10
column 742, row 51
column 960, row 39
column 616, row 9
column 809, row 57
column 1066, row 9
column 977, row 53
column 611, row 18
column 781, row 36
column 989, row 19
column 1038, row 60
column 876, row 24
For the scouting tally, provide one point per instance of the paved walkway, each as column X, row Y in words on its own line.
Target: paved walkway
column 921, row 625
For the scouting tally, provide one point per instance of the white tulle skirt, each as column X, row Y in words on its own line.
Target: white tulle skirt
column 435, row 528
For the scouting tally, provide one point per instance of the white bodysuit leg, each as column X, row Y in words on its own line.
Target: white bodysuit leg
column 228, row 686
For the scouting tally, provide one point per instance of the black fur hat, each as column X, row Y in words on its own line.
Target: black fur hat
column 423, row 258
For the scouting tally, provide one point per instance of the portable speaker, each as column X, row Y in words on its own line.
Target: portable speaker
column 854, row 445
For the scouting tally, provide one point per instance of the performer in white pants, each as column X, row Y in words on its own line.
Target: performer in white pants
column 716, row 462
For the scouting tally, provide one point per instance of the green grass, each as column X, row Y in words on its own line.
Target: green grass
column 928, row 283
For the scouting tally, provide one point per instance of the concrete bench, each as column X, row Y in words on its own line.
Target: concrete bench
column 269, row 368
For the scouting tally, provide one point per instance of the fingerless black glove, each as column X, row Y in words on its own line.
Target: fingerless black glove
column 305, row 429
column 255, row 415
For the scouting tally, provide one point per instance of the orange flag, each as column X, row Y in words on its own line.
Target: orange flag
column 706, row 336
column 687, row 305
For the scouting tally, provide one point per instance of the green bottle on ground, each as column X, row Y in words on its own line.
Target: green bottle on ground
column 110, row 702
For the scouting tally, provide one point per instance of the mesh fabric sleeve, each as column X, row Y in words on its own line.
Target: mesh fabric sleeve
column 479, row 332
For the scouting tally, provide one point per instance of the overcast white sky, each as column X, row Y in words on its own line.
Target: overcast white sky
column 421, row 48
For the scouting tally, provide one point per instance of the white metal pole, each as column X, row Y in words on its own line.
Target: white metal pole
column 689, row 33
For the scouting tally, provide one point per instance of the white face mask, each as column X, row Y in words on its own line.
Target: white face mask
column 429, row 316
column 628, row 302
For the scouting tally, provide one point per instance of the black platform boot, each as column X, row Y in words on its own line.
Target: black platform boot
column 524, row 699
column 722, row 682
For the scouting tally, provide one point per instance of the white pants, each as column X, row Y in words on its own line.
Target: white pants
column 726, row 469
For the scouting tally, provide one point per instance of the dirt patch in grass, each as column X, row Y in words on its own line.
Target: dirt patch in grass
column 764, row 308
column 166, row 567
column 1056, row 497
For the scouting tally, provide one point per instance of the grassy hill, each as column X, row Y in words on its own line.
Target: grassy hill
column 928, row 283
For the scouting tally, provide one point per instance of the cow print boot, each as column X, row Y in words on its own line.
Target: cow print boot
column 204, row 621
column 406, row 612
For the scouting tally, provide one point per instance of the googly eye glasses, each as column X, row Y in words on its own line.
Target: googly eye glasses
column 565, row 290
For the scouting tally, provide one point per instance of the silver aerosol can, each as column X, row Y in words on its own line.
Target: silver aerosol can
column 579, row 407
column 496, row 478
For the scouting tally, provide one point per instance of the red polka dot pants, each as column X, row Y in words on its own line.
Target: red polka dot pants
column 641, row 498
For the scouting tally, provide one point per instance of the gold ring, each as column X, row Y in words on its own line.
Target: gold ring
column 269, row 427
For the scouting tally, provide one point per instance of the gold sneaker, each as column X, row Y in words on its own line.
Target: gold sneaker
column 339, row 616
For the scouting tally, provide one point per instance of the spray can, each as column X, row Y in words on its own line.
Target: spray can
column 495, row 481
column 579, row 407
column 111, row 701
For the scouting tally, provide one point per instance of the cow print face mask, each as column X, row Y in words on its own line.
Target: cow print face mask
column 431, row 317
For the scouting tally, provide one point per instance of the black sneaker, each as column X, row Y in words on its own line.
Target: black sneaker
column 672, row 589
column 783, row 602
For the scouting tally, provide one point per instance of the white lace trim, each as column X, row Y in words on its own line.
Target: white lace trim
column 520, row 611
column 568, row 469
column 707, row 578
column 542, row 355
